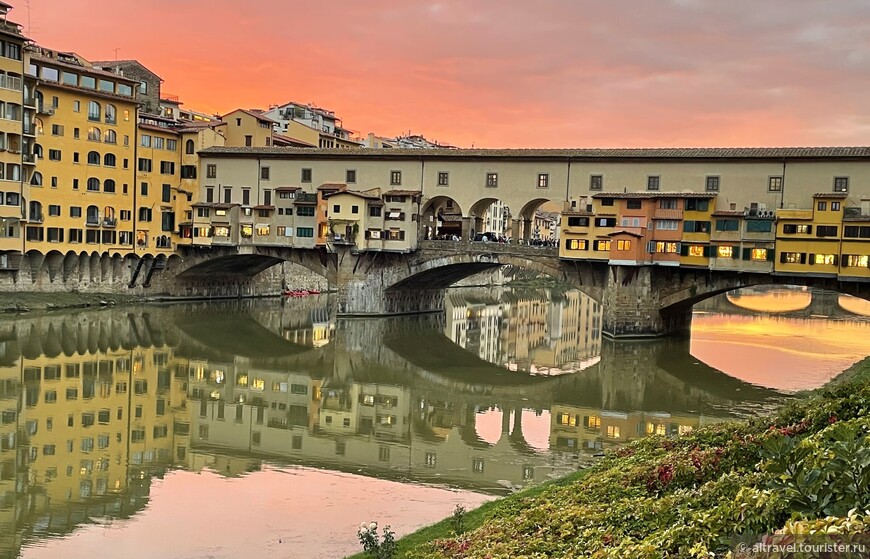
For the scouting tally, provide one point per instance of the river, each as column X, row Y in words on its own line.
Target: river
column 271, row 428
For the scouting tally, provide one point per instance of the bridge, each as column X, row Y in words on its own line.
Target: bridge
column 638, row 301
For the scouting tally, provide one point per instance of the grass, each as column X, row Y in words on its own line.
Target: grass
column 628, row 505
column 476, row 518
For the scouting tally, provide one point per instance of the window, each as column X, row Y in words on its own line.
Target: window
column 264, row 173
column 712, row 184
column 492, row 180
column 306, row 175
column 477, row 465
column 696, row 205
column 835, row 206
column 576, row 244
column 653, row 183
column 93, row 184
column 543, row 180
column 623, row 245
column 350, row 176
column 354, row 209
column 143, row 189
column 111, row 113
column 57, row 130
column 158, row 142
column 841, row 184
column 578, row 222
column 188, row 171
column 395, row 178
column 189, row 147
column 93, row 158
column 690, row 226
column 54, row 154
column 443, row 178
column 305, row 211
column 109, row 186
column 668, row 204
column 758, row 226
column 667, row 247
column 758, row 254
column 171, row 145
column 822, row 206
column 601, row 246
column 854, row 231
column 774, row 184
column 305, row 232
column 167, row 168
column 667, row 225
column 94, row 111
column 375, row 211
column 633, row 204
column 792, row 258
column 596, row 182
column 856, row 261
column 696, row 250
column 826, row 231
column 249, row 140
column 727, row 225
column 791, row 229
column 825, row 259
column 144, row 165
column 167, row 193
column 211, row 171
column 725, row 251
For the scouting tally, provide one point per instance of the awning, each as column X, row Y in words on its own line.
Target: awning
column 394, row 215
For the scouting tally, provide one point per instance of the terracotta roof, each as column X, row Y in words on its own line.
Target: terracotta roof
column 578, row 212
column 331, row 185
column 730, row 213
column 830, row 195
column 622, row 195
column 403, row 193
column 770, row 153
column 264, row 207
column 224, row 206
column 354, row 193
column 121, row 64
column 295, row 142
column 201, row 205
column 287, row 188
column 171, row 131
column 624, row 232
column 258, row 116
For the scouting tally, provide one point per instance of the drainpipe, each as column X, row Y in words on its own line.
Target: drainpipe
column 568, row 180
column 782, row 191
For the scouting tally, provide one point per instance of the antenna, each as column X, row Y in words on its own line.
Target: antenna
column 116, row 49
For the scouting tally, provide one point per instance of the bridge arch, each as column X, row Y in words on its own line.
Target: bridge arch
column 442, row 216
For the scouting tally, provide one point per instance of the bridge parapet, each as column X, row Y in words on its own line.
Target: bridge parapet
column 489, row 247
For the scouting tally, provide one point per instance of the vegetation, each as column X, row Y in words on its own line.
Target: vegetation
column 805, row 470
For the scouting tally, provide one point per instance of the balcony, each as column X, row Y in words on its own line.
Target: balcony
column 30, row 101
column 37, row 218
column 110, row 222
column 29, row 159
column 43, row 110
column 29, row 129
column 10, row 82
column 92, row 222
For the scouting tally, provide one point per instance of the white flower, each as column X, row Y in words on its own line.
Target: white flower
column 373, row 526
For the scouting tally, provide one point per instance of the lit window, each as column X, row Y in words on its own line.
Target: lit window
column 857, row 261
column 602, row 246
column 758, row 254
column 575, row 244
column 258, row 384
column 623, row 245
column 593, row 422
column 667, row 246
column 696, row 250
column 613, row 432
column 247, row 231
column 825, row 259
column 725, row 251
column 263, row 230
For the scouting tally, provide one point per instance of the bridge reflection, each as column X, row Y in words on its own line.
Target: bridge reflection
column 95, row 405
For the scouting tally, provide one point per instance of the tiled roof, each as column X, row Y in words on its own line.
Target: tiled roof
column 778, row 153
column 287, row 188
column 624, row 232
column 577, row 212
column 830, row 195
column 290, row 140
column 732, row 213
column 619, row 195
column 356, row 193
column 224, row 206
column 264, row 207
column 331, row 185
column 403, row 193
column 258, row 116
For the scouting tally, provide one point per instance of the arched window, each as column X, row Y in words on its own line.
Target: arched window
column 108, row 212
column 111, row 137
column 93, row 158
column 93, row 215
column 39, row 102
column 36, row 179
column 111, row 114
column 109, row 160
column 38, row 152
column 94, row 111
column 94, row 134
column 35, row 211
column 94, row 184
column 189, row 147
column 108, row 185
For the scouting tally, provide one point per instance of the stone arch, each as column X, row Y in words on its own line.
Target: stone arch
column 70, row 265
column 36, row 260
column 442, row 216
column 490, row 215
column 94, row 266
column 54, row 264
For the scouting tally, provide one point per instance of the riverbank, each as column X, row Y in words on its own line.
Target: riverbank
column 16, row 302
column 692, row 496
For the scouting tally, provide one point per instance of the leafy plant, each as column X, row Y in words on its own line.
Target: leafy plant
column 457, row 520
column 374, row 546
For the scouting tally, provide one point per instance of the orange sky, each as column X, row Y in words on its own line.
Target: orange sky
column 504, row 73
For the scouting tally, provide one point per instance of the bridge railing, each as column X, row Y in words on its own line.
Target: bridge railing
column 489, row 247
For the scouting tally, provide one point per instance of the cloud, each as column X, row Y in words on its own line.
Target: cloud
column 510, row 72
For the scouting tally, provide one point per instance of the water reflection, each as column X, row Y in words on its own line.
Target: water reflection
column 97, row 405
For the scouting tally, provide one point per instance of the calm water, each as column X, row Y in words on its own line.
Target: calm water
column 269, row 428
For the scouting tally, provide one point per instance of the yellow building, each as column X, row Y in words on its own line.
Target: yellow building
column 82, row 195
column 246, row 128
column 17, row 105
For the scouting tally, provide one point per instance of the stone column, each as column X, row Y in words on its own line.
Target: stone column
column 527, row 230
column 467, row 227
column 632, row 305
column 515, row 229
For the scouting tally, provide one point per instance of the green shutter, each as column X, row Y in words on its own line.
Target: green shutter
column 812, row 259
column 746, row 253
column 684, row 250
column 770, row 254
column 782, row 258
column 689, row 226
column 735, row 252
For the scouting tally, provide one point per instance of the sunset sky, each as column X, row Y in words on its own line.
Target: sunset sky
column 504, row 73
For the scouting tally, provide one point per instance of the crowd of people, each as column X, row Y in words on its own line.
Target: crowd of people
column 493, row 238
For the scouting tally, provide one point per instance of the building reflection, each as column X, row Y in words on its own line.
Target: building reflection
column 94, row 406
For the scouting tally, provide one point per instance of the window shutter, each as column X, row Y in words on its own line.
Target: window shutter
column 803, row 258
column 770, row 254
column 812, row 259
column 689, row 226
column 836, row 260
column 735, row 253
column 650, row 247
column 684, row 250
column 782, row 258
column 809, row 229
column 746, row 253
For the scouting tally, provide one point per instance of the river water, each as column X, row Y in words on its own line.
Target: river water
column 270, row 428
